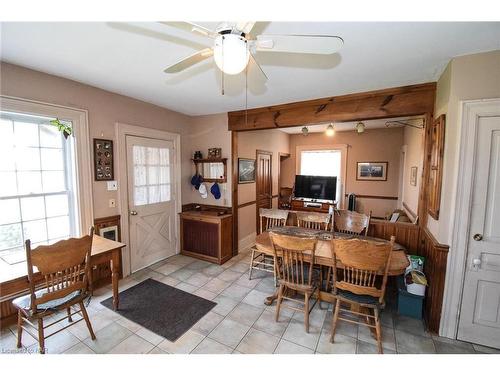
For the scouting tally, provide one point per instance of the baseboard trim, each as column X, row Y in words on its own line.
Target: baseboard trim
column 247, row 241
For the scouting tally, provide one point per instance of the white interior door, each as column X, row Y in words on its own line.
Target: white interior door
column 480, row 311
column 151, row 200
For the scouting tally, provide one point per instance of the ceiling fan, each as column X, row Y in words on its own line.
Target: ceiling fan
column 234, row 46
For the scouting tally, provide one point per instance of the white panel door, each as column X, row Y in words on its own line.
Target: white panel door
column 480, row 311
column 151, row 200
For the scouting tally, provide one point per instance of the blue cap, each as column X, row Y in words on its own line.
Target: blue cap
column 215, row 190
column 196, row 180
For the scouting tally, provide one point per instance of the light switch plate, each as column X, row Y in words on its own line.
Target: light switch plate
column 112, row 185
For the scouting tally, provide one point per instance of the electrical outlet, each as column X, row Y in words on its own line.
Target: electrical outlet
column 112, row 203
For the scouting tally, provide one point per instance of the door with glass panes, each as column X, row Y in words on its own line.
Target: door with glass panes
column 151, row 200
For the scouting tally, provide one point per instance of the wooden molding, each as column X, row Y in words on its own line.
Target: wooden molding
column 247, row 204
column 374, row 197
column 392, row 102
column 437, row 134
column 409, row 210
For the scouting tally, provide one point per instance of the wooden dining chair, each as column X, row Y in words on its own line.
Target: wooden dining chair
column 351, row 222
column 313, row 220
column 268, row 219
column 295, row 271
column 64, row 267
column 361, row 281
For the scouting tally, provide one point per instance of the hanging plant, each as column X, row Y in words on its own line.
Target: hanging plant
column 65, row 129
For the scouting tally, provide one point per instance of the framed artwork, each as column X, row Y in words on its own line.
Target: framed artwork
column 437, row 131
column 103, row 160
column 372, row 171
column 246, row 171
column 413, row 176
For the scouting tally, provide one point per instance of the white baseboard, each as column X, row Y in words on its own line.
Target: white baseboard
column 247, row 241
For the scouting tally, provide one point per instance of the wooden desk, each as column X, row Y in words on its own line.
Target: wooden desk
column 323, row 256
column 104, row 250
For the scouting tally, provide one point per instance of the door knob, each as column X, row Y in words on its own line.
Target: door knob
column 476, row 262
column 478, row 237
column 133, row 213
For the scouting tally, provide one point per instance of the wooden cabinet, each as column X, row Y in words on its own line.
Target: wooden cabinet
column 207, row 235
column 316, row 206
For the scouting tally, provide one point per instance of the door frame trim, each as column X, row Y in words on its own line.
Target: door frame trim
column 262, row 152
column 123, row 130
column 469, row 114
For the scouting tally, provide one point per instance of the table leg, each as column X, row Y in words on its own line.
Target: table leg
column 115, row 262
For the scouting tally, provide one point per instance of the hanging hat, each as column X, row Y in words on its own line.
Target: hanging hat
column 203, row 190
column 196, row 180
column 215, row 190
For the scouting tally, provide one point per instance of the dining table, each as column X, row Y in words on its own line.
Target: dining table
column 323, row 253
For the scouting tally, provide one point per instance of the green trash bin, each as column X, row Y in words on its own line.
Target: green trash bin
column 409, row 304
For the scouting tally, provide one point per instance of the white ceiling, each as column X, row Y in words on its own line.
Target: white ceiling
column 129, row 58
column 351, row 126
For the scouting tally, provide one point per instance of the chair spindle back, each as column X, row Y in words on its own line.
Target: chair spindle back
column 351, row 222
column 313, row 220
column 271, row 217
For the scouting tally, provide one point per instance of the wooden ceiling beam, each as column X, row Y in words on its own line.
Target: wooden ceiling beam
column 393, row 102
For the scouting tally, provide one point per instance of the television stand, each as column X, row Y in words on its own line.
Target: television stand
column 314, row 205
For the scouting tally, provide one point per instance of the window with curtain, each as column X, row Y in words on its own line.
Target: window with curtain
column 322, row 163
column 36, row 189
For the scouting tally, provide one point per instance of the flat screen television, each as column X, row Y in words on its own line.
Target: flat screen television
column 315, row 187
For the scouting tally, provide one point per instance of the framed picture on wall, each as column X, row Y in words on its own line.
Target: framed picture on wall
column 246, row 171
column 372, row 171
column 413, row 176
column 103, row 159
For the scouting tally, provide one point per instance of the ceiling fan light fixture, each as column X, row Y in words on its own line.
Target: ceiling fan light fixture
column 231, row 53
column 330, row 131
column 360, row 127
column 305, row 131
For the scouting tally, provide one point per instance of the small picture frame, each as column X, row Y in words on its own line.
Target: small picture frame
column 103, row 160
column 413, row 176
column 215, row 153
column 246, row 171
column 372, row 171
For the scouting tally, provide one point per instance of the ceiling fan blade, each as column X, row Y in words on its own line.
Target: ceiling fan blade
column 316, row 44
column 245, row 26
column 191, row 27
column 259, row 68
column 190, row 61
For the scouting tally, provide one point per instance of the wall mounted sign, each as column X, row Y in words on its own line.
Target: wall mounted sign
column 103, row 159
column 413, row 176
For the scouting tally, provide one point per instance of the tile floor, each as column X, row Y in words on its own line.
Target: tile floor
column 240, row 323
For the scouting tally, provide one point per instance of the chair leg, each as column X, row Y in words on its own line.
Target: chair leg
column 278, row 303
column 87, row 320
column 378, row 330
column 19, row 328
column 41, row 337
column 306, row 312
column 335, row 319
column 70, row 319
column 251, row 265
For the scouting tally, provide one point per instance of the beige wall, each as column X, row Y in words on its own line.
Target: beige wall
column 274, row 141
column 206, row 132
column 104, row 110
column 466, row 77
column 413, row 141
column 372, row 145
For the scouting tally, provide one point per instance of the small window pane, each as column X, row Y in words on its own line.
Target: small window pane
column 32, row 208
column 164, row 156
column 27, row 159
column 140, row 196
column 139, row 155
column 58, row 227
column 50, row 136
column 139, row 176
column 164, row 175
column 26, row 134
column 53, row 181
column 52, row 159
column 57, row 205
column 29, row 182
column 9, row 211
column 35, row 231
column 152, row 156
column 6, row 132
column 7, row 157
column 10, row 236
column 8, row 186
column 153, row 177
column 154, row 194
column 164, row 193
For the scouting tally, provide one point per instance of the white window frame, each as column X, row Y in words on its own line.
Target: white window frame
column 83, row 172
column 343, row 164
